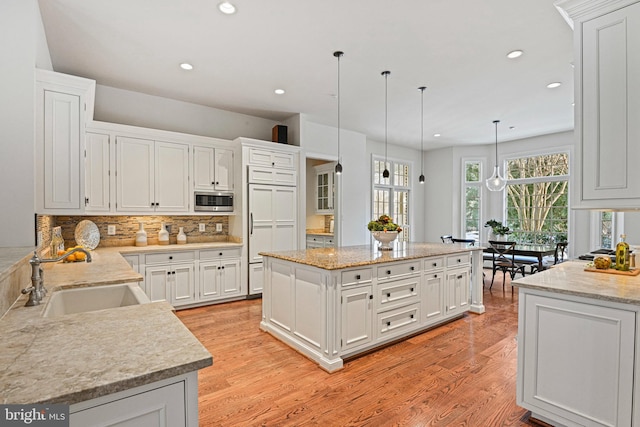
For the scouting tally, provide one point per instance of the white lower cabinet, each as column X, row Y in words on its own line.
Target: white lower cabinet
column 432, row 296
column 186, row 278
column 457, row 290
column 576, row 359
column 356, row 316
column 256, row 278
column 171, row 402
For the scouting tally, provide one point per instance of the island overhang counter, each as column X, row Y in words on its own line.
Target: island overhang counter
column 336, row 303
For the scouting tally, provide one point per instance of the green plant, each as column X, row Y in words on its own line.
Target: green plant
column 384, row 223
column 497, row 227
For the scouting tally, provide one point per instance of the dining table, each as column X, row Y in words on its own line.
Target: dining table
column 522, row 250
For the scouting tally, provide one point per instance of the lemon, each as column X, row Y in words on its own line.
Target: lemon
column 71, row 258
column 80, row 256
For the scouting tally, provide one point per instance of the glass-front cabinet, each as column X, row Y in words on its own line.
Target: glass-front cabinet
column 324, row 189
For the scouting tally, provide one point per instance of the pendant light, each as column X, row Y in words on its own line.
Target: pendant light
column 421, row 89
column 385, row 173
column 496, row 182
column 338, row 168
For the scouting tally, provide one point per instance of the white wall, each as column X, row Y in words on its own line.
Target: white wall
column 19, row 29
column 439, row 214
column 354, row 190
column 138, row 109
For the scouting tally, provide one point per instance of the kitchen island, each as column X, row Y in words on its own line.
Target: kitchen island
column 579, row 346
column 337, row 303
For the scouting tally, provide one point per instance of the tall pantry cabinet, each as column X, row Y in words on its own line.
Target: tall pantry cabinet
column 607, row 102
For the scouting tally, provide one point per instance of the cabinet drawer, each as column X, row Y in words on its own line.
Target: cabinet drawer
column 167, row 257
column 398, row 269
column 313, row 238
column 220, row 253
column 458, row 259
column 436, row 263
column 328, row 242
column 397, row 293
column 271, row 158
column 356, row 277
column 397, row 321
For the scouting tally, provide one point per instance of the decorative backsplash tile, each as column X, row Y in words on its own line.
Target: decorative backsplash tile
column 127, row 226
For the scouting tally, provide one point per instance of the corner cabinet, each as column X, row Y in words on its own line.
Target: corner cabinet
column 63, row 106
column 607, row 95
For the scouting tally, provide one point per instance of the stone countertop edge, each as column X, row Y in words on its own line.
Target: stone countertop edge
column 339, row 258
column 77, row 357
column 569, row 278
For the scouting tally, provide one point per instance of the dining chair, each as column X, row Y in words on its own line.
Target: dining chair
column 558, row 257
column 504, row 260
column 447, row 238
column 468, row 241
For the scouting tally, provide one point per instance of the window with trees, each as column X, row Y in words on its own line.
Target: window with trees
column 537, row 193
column 391, row 196
column 472, row 194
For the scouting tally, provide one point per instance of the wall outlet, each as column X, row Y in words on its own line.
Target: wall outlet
column 201, row 227
column 111, row 230
column 218, row 228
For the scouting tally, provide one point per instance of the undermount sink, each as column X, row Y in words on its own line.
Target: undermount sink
column 81, row 300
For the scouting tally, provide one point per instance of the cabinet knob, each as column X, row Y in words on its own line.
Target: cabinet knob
column 173, row 272
column 460, row 276
column 357, row 277
column 435, row 264
column 171, row 257
column 412, row 316
column 213, row 183
column 388, row 323
column 217, row 183
column 220, row 254
column 411, row 289
column 388, row 295
column 388, row 271
column 435, row 275
column 459, row 260
column 218, row 268
column 370, row 296
column 222, row 267
column 168, row 273
column 412, row 268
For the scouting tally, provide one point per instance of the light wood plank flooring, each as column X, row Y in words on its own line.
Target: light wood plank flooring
column 462, row 374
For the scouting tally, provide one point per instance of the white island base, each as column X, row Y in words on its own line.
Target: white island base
column 332, row 314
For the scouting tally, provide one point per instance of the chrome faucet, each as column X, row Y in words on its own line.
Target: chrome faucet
column 37, row 291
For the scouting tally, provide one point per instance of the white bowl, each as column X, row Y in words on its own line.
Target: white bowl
column 385, row 238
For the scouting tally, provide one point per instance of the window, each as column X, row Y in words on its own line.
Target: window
column 391, row 196
column 538, row 198
column 472, row 199
column 606, row 230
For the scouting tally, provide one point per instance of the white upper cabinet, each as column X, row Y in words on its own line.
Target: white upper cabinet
column 63, row 105
column 212, row 169
column 607, row 95
column 325, row 189
column 151, row 176
column 96, row 172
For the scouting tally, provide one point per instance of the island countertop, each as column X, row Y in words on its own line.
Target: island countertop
column 569, row 278
column 337, row 258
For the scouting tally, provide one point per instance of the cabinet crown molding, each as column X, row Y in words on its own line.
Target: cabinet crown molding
column 581, row 10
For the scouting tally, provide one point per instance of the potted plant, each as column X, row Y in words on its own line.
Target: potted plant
column 497, row 229
column 385, row 231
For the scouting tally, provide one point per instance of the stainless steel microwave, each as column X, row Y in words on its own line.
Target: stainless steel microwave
column 213, row 202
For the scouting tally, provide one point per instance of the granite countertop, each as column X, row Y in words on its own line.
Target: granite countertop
column 76, row 357
column 569, row 278
column 10, row 258
column 354, row 256
column 319, row 232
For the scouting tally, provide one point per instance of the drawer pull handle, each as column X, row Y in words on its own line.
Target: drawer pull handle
column 412, row 316
column 168, row 273
column 388, row 271
column 411, row 289
column 357, row 277
column 370, row 296
column 460, row 276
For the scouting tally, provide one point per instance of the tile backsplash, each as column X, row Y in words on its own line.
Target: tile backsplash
column 127, row 226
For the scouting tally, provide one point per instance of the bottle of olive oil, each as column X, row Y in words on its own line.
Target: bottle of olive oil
column 622, row 254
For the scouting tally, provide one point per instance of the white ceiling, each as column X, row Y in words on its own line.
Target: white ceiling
column 457, row 48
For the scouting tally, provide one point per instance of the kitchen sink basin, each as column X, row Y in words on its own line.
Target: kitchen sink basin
column 80, row 300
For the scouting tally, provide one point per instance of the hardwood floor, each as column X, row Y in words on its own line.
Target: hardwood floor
column 463, row 374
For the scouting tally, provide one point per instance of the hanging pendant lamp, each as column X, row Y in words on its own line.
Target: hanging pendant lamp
column 385, row 173
column 496, row 182
column 421, row 89
column 338, row 168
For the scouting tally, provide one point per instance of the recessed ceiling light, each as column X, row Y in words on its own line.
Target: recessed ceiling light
column 186, row 66
column 436, row 135
column 279, row 91
column 227, row 8
column 514, row 54
column 554, row 84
